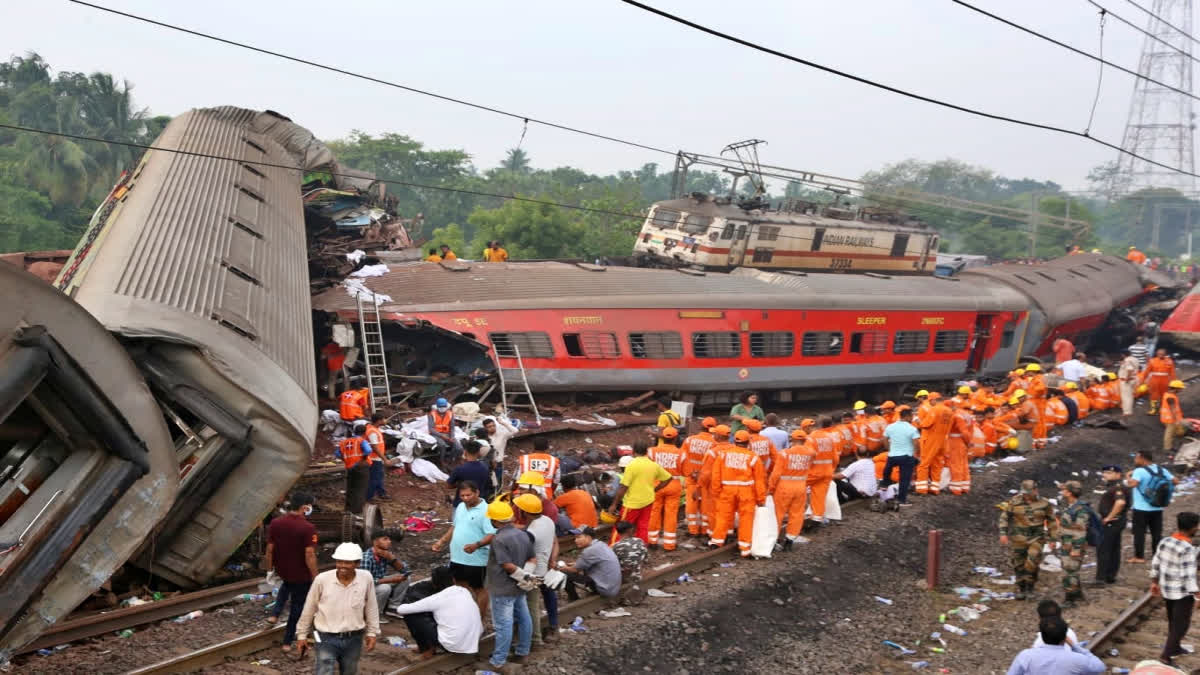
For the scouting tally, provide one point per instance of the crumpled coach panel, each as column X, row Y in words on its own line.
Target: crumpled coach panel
column 211, row 253
column 27, row 301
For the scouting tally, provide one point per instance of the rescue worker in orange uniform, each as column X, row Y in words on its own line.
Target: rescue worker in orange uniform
column 875, row 425
column 1135, row 256
column 664, row 516
column 985, row 397
column 962, row 398
column 354, row 451
column 922, row 403
column 881, row 464
column 1172, row 416
column 376, row 459
column 761, row 445
column 739, row 485
column 826, row 443
column 708, row 500
column 1083, row 405
column 1098, row 396
column 1159, row 372
column 541, row 461
column 888, row 409
column 695, row 447
column 1055, row 413
column 849, row 443
column 935, row 428
column 1037, row 396
column 441, row 427
column 788, row 483
column 351, row 404
column 961, row 431
column 1113, row 387
column 977, row 443
column 1016, row 380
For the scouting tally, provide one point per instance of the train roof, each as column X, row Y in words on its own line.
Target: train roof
column 1070, row 287
column 713, row 209
column 461, row 285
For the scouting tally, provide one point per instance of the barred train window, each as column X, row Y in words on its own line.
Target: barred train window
column 910, row 342
column 869, row 342
column 665, row 345
column 592, row 345
column 772, row 344
column 1007, row 337
column 531, row 345
column 716, row 345
column 821, row 343
column 950, row 341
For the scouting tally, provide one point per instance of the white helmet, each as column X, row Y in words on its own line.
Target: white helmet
column 348, row 551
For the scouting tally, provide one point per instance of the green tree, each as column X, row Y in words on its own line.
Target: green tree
column 528, row 230
column 451, row 235
column 516, row 160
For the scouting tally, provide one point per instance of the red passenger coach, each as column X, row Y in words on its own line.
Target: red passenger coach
column 1182, row 328
column 587, row 327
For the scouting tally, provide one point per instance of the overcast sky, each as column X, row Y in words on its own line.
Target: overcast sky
column 608, row 67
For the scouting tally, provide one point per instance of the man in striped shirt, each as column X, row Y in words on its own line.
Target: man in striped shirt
column 1140, row 351
column 1173, row 571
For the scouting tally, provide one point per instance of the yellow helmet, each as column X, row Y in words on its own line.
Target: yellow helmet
column 1013, row 400
column 922, row 393
column 1020, row 393
column 1012, row 443
column 964, row 389
column 1111, row 376
column 501, row 511
column 1176, row 384
column 528, row 503
column 1033, row 368
column 1142, row 388
column 860, row 405
column 532, row 478
column 1096, row 250
column 1019, row 371
column 1132, row 247
column 1070, row 385
column 608, row 518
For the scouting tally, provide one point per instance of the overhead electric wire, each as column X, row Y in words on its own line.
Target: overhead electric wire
column 903, row 92
column 1164, row 22
column 1098, row 58
column 1141, row 30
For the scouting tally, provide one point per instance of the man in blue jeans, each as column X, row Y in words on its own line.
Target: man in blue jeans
column 511, row 562
column 900, row 438
column 342, row 613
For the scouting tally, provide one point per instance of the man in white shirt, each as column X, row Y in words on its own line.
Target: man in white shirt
column 1047, row 608
column 1075, row 369
column 772, row 432
column 341, row 607
column 455, row 613
column 857, row 481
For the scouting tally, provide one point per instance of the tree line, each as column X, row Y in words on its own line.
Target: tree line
column 49, row 186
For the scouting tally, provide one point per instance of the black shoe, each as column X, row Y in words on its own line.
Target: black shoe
column 787, row 544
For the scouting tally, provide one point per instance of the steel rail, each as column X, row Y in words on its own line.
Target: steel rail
column 1140, row 605
column 214, row 655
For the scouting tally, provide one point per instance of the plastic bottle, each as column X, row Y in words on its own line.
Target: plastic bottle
column 883, row 600
column 189, row 616
column 128, row 632
column 917, row 665
column 954, row 629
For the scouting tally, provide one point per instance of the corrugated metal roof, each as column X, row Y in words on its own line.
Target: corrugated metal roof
column 429, row 287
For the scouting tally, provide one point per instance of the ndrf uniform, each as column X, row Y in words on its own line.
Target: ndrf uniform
column 825, row 443
column 1026, row 520
column 765, row 449
column 789, row 485
column 935, row 428
column 1073, row 537
column 961, row 431
column 694, row 449
column 664, row 516
column 739, row 485
column 708, row 503
column 1158, row 373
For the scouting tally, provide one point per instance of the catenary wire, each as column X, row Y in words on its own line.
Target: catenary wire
column 1099, row 76
column 1141, row 30
column 902, row 92
column 1098, row 58
column 1164, row 22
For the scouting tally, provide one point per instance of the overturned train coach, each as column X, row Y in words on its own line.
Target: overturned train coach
column 159, row 403
column 588, row 327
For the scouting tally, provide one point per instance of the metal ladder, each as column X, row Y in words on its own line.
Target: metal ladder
column 512, row 399
column 373, row 354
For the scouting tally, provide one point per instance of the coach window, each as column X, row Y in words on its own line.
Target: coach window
column 727, row 232
column 818, row 238
column 910, row 342
column 869, row 342
column 950, row 341
column 821, row 343
column 1009, row 334
column 529, row 345
column 665, row 345
column 763, row 255
column 773, row 344
column 768, row 233
column 592, row 345
column 695, row 224
column 716, row 345
column 664, row 218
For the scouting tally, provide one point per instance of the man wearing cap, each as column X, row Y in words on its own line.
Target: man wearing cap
column 861, row 426
column 1073, row 526
column 511, row 563
column 664, row 514
column 1025, row 522
column 545, row 548
column 1127, row 374
column 441, row 427
column 788, row 484
column 695, row 448
column 739, row 484
column 876, row 423
column 1016, row 380
column 1113, row 507
column 635, row 498
column 342, row 613
column 761, row 445
column 1171, row 416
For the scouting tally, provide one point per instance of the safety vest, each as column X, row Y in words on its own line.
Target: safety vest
column 1082, row 404
column 375, row 439
column 960, row 428
column 352, row 401
column 977, row 445
column 765, row 449
column 545, row 464
column 668, row 457
column 441, row 422
column 1170, row 412
column 1056, row 412
column 351, row 449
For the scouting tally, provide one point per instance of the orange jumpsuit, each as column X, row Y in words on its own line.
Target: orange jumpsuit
column 1136, row 257
column 977, row 445
column 789, row 485
column 960, row 434
column 1055, row 414
column 1013, row 385
column 765, row 449
column 1114, row 392
column 860, row 428
column 739, row 484
column 846, row 440
column 694, row 449
column 708, row 500
column 933, row 447
column 1037, row 394
column 664, row 516
column 1158, row 373
column 991, row 435
column 1082, row 403
column 1098, row 398
column 874, row 432
column 826, row 443
column 984, row 399
column 881, row 462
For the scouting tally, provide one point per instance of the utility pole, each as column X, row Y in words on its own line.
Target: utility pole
column 1035, row 199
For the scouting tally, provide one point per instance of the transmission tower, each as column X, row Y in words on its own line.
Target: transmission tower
column 1161, row 122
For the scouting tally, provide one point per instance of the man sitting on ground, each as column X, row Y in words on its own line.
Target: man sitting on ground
column 597, row 568
column 1047, row 608
column 577, row 504
column 389, row 572
column 1052, row 658
column 441, row 612
column 857, row 481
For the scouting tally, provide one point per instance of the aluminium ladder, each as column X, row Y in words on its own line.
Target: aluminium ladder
column 512, row 399
column 373, row 354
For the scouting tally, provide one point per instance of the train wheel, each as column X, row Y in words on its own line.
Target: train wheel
column 372, row 518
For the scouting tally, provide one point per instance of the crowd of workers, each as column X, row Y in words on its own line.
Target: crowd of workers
column 494, row 252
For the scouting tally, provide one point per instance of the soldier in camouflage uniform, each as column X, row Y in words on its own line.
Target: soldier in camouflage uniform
column 1025, row 520
column 632, row 553
column 1072, row 539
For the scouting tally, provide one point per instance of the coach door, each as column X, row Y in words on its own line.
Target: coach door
column 737, row 247
column 980, row 342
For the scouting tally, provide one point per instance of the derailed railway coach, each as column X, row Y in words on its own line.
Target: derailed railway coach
column 588, row 327
column 161, row 401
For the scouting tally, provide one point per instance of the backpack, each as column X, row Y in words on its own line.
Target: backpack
column 1158, row 490
column 1095, row 526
